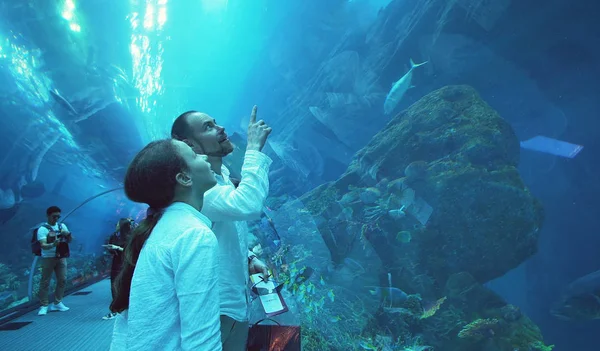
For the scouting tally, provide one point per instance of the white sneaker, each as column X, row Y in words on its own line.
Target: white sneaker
column 110, row 315
column 59, row 307
column 43, row 311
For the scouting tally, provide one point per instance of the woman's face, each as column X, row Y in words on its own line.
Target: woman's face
column 198, row 167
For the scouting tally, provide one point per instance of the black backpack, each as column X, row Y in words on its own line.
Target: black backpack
column 36, row 247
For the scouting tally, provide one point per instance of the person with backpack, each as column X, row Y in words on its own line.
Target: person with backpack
column 116, row 247
column 51, row 243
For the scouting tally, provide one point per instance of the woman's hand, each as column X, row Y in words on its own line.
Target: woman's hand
column 113, row 247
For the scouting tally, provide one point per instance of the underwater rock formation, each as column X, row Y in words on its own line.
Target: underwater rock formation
column 429, row 210
column 436, row 192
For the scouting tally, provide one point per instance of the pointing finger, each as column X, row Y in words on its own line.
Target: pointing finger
column 253, row 114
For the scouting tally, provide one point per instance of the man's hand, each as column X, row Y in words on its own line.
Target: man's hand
column 67, row 235
column 257, row 266
column 257, row 132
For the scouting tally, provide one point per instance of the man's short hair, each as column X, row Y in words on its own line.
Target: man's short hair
column 52, row 209
column 181, row 128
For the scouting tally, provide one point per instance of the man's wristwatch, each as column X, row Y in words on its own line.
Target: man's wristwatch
column 251, row 256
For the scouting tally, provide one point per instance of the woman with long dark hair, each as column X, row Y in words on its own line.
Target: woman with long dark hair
column 116, row 247
column 167, row 295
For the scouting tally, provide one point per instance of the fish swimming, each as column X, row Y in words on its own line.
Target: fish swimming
column 270, row 232
column 63, row 102
column 399, row 88
column 389, row 295
column 580, row 300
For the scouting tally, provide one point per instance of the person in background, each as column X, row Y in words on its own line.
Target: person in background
column 166, row 293
column 54, row 239
column 229, row 207
column 116, row 247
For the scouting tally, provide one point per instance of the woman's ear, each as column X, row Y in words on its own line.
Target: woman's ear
column 183, row 179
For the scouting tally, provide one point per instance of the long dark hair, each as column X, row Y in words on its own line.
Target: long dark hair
column 124, row 229
column 150, row 179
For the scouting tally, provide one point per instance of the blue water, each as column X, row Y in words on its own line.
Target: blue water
column 319, row 72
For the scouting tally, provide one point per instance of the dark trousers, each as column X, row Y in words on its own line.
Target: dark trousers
column 115, row 268
column 234, row 334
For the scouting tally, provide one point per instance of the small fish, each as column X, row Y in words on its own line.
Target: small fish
column 267, row 226
column 335, row 319
column 304, row 274
column 392, row 295
column 348, row 198
column 404, row 236
column 398, row 184
column 301, row 297
column 399, row 88
column 346, row 214
column 367, row 345
column 383, row 184
column 354, row 265
column 321, row 302
column 321, row 281
column 331, row 295
column 370, row 195
column 397, row 213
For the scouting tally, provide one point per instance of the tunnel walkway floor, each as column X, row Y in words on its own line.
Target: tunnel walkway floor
column 80, row 328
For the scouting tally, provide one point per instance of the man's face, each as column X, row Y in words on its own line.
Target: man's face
column 207, row 137
column 53, row 218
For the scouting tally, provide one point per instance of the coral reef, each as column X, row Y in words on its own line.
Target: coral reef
column 479, row 329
